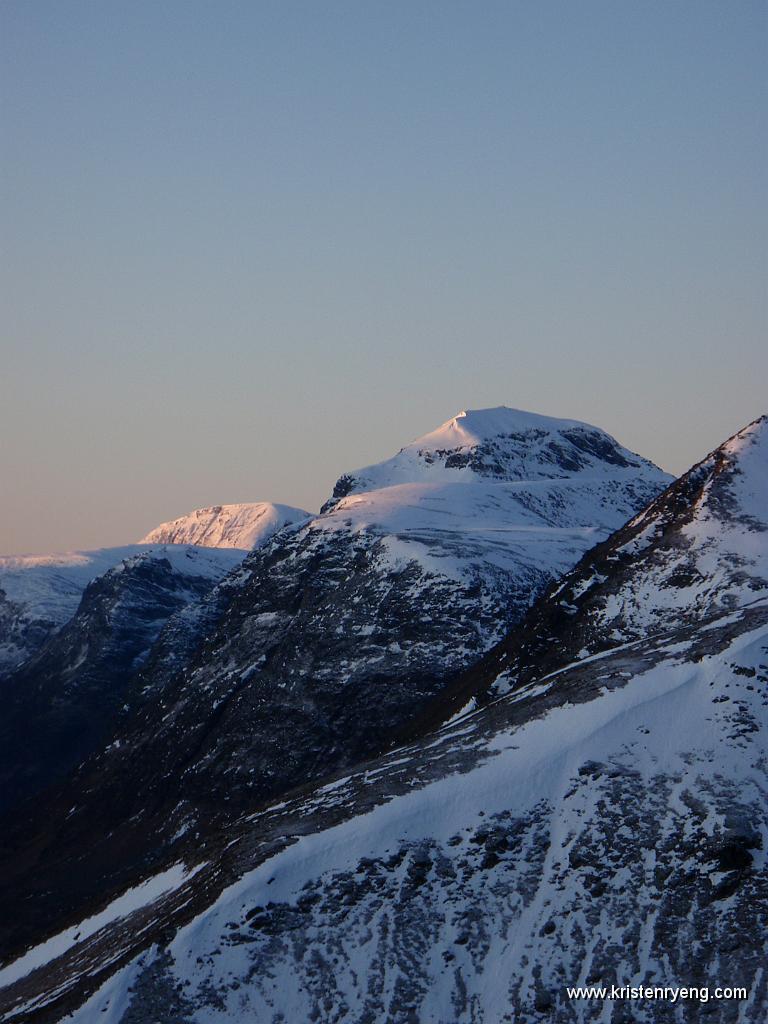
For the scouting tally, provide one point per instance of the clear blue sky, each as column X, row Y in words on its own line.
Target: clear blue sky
column 248, row 246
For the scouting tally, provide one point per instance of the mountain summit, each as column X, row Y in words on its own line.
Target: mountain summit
column 501, row 444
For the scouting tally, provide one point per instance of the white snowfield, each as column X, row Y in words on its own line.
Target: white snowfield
column 244, row 526
column 477, row 526
column 50, row 586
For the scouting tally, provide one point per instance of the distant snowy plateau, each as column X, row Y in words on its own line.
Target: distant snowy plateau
column 489, row 727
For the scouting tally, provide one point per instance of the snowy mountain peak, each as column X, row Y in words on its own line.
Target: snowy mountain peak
column 471, row 427
column 245, row 526
column 746, row 453
column 505, row 445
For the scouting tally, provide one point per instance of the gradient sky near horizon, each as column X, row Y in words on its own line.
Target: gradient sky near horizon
column 248, row 246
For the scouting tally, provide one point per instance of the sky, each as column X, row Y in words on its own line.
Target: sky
column 248, row 246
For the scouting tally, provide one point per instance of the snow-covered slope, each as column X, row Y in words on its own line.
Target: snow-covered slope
column 39, row 593
column 711, row 559
column 243, row 526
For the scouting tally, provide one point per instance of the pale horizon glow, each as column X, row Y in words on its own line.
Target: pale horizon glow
column 251, row 246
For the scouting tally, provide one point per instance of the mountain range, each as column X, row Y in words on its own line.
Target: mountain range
column 487, row 728
column 39, row 593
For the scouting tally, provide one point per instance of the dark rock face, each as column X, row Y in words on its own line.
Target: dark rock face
column 40, row 594
column 569, row 453
column 344, row 485
column 20, row 634
column 63, row 703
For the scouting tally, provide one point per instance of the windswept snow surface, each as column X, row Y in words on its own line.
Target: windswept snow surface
column 243, row 526
column 617, row 838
